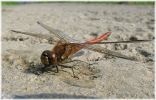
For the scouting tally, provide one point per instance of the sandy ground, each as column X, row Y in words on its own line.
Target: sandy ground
column 109, row 77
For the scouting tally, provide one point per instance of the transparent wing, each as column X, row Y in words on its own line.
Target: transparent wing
column 61, row 35
column 100, row 49
column 109, row 52
column 42, row 36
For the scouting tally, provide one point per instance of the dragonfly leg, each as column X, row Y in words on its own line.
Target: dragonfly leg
column 49, row 68
column 57, row 70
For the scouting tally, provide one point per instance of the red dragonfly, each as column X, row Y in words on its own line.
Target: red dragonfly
column 64, row 49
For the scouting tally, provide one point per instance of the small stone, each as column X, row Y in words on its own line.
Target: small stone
column 120, row 47
column 132, row 38
column 95, row 34
column 21, row 39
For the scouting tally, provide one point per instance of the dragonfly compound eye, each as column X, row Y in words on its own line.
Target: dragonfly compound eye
column 46, row 57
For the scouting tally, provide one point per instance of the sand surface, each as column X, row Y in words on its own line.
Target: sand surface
column 109, row 77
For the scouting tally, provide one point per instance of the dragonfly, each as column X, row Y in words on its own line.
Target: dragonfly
column 66, row 47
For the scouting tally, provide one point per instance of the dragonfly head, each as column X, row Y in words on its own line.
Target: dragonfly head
column 46, row 58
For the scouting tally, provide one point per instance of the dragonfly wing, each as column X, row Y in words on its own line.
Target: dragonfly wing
column 109, row 52
column 58, row 33
column 42, row 36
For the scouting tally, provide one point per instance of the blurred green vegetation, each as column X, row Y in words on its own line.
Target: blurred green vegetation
column 87, row 2
column 9, row 3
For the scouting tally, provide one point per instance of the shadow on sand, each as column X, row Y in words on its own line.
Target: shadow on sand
column 54, row 96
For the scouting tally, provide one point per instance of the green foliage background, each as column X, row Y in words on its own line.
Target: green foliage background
column 106, row 2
